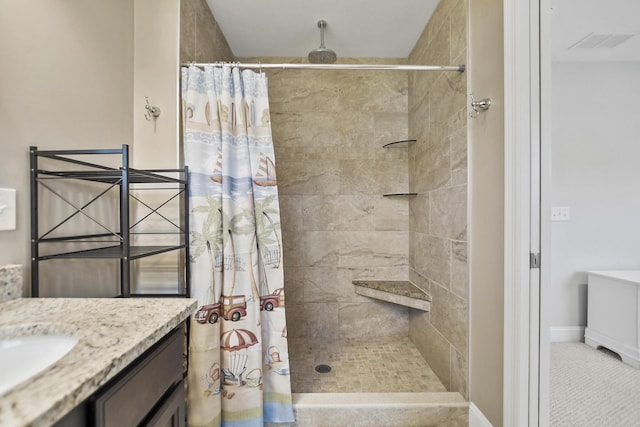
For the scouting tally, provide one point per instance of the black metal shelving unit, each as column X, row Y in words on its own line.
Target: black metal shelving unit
column 122, row 179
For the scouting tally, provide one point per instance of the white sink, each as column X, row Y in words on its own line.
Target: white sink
column 24, row 356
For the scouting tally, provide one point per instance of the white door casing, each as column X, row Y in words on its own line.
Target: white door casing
column 521, row 285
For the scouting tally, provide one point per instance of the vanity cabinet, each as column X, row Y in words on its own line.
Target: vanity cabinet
column 149, row 392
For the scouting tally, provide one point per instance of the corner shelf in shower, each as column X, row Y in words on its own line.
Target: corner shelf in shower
column 399, row 144
column 404, row 143
column 401, row 292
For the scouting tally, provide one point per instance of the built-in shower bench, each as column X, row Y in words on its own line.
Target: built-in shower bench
column 400, row 292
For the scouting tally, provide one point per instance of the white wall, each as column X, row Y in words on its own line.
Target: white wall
column 595, row 172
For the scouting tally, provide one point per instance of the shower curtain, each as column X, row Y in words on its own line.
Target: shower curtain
column 238, row 358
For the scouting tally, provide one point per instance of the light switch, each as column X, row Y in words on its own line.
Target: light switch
column 7, row 209
column 560, row 213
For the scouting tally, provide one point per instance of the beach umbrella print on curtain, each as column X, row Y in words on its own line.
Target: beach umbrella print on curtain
column 237, row 339
column 232, row 341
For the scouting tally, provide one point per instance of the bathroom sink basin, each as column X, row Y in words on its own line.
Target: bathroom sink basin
column 25, row 356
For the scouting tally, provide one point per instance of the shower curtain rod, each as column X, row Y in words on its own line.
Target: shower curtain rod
column 261, row 66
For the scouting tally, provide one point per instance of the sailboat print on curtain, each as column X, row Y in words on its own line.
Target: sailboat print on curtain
column 216, row 176
column 238, row 353
column 266, row 176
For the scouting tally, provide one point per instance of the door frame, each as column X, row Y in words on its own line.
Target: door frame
column 521, row 381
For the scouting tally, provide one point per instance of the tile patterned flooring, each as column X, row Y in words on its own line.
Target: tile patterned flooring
column 371, row 365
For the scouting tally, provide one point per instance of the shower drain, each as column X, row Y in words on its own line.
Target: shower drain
column 323, row 369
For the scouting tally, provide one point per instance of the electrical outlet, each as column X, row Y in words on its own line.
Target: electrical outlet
column 7, row 209
column 560, row 213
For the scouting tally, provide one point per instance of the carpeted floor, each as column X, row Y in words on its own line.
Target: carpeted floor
column 592, row 388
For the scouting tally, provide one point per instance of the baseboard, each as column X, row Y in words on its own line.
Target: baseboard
column 567, row 334
column 477, row 418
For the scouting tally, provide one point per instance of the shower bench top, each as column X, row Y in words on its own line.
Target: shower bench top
column 401, row 292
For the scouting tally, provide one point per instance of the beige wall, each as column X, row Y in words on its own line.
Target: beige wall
column 156, row 75
column 438, row 214
column 486, row 188
column 328, row 129
column 67, row 82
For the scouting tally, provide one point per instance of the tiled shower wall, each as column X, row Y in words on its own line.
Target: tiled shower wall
column 328, row 129
column 438, row 214
column 201, row 39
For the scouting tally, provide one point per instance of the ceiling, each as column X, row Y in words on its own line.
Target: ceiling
column 573, row 20
column 390, row 29
column 355, row 28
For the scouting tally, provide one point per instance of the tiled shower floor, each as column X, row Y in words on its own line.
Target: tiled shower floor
column 360, row 366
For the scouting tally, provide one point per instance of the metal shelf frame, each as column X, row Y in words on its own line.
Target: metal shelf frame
column 119, row 246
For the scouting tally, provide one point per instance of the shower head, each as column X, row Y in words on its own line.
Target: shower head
column 322, row 55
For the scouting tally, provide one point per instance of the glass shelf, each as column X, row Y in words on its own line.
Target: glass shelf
column 399, row 144
column 399, row 194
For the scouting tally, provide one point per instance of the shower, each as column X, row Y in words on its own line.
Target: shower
column 322, row 55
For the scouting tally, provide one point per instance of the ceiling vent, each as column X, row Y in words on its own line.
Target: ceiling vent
column 600, row 41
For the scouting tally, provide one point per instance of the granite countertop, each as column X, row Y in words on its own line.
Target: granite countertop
column 112, row 333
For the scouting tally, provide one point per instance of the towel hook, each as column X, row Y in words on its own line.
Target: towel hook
column 152, row 112
column 479, row 105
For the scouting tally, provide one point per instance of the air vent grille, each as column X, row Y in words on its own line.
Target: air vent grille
column 600, row 41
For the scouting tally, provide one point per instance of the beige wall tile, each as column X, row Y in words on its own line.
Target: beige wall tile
column 389, row 127
column 363, row 249
column 458, row 35
column 372, row 177
column 294, row 286
column 431, row 166
column 330, row 213
column 320, row 284
column 459, row 150
column 390, row 213
column 286, row 130
column 373, row 318
column 320, row 248
column 419, row 212
column 449, row 213
column 200, row 37
column 313, row 320
column 432, row 257
column 187, row 31
column 459, row 269
column 459, row 372
column 348, row 135
column 449, row 316
column 308, row 177
column 431, row 344
column 291, row 212
column 419, row 280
